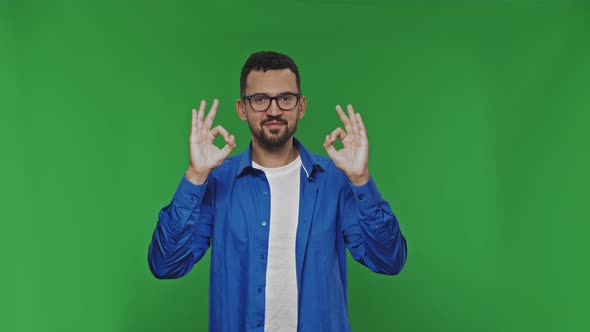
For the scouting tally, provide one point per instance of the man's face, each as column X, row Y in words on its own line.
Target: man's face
column 273, row 127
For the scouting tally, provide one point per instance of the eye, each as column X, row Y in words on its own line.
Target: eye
column 259, row 98
column 287, row 97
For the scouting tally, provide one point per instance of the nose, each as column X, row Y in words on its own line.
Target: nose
column 273, row 108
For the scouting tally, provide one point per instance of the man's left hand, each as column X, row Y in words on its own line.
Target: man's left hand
column 353, row 157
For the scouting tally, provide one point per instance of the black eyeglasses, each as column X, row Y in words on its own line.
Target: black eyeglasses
column 261, row 102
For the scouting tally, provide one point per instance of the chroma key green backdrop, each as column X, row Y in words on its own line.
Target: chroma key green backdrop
column 478, row 121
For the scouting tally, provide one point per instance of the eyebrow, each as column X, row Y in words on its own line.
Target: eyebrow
column 280, row 94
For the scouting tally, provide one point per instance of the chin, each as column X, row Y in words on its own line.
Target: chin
column 275, row 137
column 275, row 140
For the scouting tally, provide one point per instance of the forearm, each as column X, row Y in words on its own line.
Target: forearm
column 382, row 246
column 182, row 234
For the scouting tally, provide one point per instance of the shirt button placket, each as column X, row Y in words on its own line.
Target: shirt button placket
column 264, row 224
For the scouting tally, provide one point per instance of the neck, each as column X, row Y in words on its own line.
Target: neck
column 273, row 156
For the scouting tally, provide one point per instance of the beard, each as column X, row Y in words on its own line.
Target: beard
column 274, row 137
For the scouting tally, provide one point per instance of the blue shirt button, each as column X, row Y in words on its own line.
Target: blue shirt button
column 258, row 323
column 193, row 198
column 361, row 197
column 263, row 223
column 264, row 193
column 261, row 256
column 259, row 289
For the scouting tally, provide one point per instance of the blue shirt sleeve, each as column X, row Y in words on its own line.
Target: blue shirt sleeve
column 183, row 233
column 370, row 229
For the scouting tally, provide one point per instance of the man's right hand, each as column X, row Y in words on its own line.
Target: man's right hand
column 204, row 155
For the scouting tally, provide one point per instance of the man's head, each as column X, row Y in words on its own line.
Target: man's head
column 267, row 60
column 271, row 100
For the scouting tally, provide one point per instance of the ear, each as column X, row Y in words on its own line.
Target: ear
column 301, row 112
column 241, row 110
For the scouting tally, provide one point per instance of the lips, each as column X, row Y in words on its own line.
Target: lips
column 274, row 123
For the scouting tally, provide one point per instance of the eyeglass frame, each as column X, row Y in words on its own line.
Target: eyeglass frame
column 275, row 98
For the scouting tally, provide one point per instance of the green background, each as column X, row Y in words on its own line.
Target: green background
column 478, row 121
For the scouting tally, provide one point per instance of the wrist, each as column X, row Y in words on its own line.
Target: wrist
column 196, row 176
column 359, row 179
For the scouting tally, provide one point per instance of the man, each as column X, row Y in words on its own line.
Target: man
column 277, row 217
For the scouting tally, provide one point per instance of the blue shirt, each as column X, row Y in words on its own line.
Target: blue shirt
column 231, row 212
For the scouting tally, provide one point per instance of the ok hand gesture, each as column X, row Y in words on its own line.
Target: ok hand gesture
column 204, row 155
column 353, row 158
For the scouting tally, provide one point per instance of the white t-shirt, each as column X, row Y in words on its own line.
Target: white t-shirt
column 280, row 313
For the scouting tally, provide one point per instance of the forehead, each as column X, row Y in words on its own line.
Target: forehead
column 271, row 82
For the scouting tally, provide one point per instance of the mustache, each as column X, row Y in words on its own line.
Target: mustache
column 274, row 119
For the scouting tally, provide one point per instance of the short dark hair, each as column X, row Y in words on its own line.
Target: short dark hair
column 264, row 61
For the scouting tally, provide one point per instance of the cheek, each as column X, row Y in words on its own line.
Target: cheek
column 253, row 118
column 292, row 116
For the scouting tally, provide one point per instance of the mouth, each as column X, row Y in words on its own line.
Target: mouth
column 274, row 124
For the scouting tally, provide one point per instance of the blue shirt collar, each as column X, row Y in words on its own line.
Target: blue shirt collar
column 308, row 160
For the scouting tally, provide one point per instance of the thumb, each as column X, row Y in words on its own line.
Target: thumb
column 229, row 146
